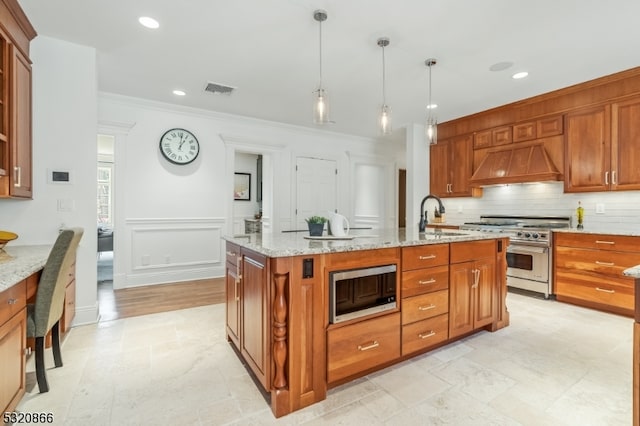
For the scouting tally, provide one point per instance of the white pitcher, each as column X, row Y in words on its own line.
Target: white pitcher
column 337, row 225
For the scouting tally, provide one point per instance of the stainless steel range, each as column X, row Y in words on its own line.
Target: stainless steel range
column 529, row 257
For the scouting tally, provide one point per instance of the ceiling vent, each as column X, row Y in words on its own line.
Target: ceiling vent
column 220, row 89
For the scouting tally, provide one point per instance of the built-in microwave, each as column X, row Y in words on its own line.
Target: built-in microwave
column 357, row 293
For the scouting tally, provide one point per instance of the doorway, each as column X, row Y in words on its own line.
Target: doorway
column 105, row 224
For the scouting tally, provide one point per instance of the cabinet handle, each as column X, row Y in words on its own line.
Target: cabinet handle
column 604, row 263
column 431, row 281
column 426, row 308
column 429, row 334
column 476, row 277
column 12, row 301
column 27, row 351
column 606, row 178
column 604, row 290
column 17, row 175
column 230, row 253
column 373, row 345
column 431, row 256
column 235, row 289
column 605, row 242
column 613, row 178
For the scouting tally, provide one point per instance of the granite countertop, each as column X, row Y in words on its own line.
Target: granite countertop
column 628, row 230
column 294, row 244
column 18, row 262
column 633, row 272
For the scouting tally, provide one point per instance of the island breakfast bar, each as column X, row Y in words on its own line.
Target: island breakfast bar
column 285, row 293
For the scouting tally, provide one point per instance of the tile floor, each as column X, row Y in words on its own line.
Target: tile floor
column 556, row 364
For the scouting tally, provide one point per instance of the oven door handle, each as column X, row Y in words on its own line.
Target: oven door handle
column 527, row 250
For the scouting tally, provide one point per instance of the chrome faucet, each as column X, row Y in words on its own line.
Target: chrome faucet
column 423, row 213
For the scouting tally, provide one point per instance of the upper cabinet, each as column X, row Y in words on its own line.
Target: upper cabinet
column 15, row 101
column 451, row 167
column 601, row 148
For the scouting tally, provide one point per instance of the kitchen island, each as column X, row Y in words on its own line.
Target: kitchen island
column 448, row 285
column 634, row 272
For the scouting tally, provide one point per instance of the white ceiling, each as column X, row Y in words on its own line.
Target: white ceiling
column 268, row 49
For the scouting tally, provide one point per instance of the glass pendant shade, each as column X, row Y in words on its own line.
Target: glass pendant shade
column 431, row 125
column 385, row 120
column 320, row 106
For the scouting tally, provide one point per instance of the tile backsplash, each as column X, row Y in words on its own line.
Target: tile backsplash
column 621, row 210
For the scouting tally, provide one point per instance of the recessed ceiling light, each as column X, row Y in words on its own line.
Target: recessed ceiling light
column 148, row 22
column 179, row 93
column 520, row 75
column 501, row 66
column 432, row 106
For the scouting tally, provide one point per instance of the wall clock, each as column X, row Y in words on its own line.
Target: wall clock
column 179, row 146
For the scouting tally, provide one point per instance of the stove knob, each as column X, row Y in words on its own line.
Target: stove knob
column 535, row 235
column 519, row 234
column 527, row 235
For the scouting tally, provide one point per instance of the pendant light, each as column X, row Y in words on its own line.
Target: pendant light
column 320, row 102
column 385, row 111
column 431, row 126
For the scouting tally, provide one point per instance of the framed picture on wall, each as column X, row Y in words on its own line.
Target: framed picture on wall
column 242, row 187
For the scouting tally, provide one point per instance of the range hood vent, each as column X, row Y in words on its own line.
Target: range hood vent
column 509, row 164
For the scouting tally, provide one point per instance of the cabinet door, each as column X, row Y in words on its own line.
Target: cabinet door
column 232, row 298
column 460, row 299
column 438, row 169
column 12, row 359
column 486, row 292
column 254, row 324
column 587, row 150
column 460, row 166
column 20, row 171
column 625, row 155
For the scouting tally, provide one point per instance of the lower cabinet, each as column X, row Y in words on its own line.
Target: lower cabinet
column 13, row 332
column 473, row 288
column 247, row 314
column 358, row 347
column 588, row 270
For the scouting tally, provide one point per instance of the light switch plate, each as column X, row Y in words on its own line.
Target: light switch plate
column 599, row 208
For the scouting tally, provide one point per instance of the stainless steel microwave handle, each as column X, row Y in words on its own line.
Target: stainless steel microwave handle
column 365, row 272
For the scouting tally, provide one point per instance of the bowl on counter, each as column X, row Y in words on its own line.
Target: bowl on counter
column 5, row 237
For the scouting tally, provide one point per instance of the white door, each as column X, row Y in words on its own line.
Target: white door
column 316, row 189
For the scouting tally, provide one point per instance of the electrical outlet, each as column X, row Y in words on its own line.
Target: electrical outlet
column 599, row 208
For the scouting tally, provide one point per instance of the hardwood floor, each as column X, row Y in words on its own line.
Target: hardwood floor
column 131, row 302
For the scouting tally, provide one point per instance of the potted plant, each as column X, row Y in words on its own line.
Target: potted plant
column 316, row 225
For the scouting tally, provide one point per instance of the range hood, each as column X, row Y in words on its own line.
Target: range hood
column 520, row 164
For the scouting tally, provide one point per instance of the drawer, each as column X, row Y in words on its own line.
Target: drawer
column 425, row 306
column 358, row 347
column 233, row 253
column 472, row 250
column 598, row 241
column 425, row 256
column 424, row 334
column 425, row 280
column 12, row 301
column 600, row 261
column 618, row 292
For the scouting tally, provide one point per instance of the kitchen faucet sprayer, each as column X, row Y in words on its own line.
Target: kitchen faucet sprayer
column 423, row 213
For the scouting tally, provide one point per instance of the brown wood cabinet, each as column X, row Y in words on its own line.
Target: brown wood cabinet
column 625, row 145
column 13, row 332
column 233, row 293
column 493, row 137
column 538, row 129
column 451, row 167
column 588, row 270
column 15, row 101
column 473, row 288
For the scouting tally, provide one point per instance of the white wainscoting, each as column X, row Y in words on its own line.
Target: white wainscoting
column 174, row 250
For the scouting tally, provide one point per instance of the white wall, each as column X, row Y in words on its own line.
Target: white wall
column 64, row 138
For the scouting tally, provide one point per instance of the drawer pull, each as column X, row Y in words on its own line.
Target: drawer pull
column 429, row 334
column 431, row 281
column 604, row 263
column 12, row 301
column 604, row 242
column 373, row 345
column 604, row 290
column 431, row 256
column 230, row 253
column 426, row 308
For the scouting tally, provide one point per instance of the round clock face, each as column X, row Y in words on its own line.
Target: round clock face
column 179, row 146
